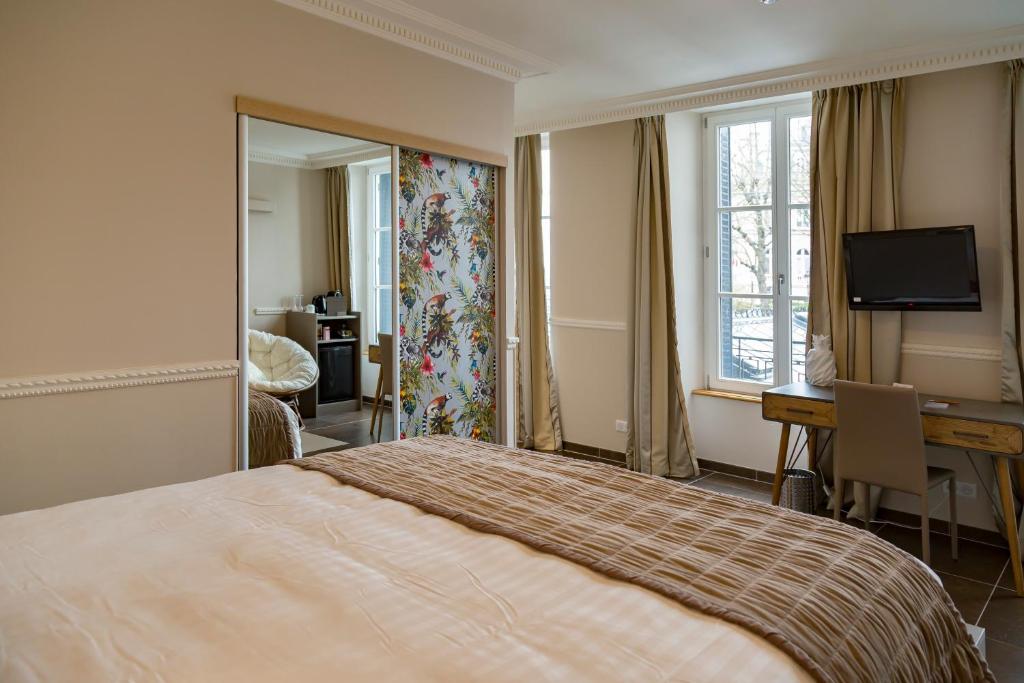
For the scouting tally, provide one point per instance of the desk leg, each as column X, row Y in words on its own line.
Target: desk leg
column 1010, row 516
column 780, row 464
column 812, row 449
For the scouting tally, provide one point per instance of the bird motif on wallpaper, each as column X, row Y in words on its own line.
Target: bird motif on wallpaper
column 436, row 419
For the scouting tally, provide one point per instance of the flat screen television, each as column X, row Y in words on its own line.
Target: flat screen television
column 928, row 269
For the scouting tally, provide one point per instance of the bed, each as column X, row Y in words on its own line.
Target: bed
column 295, row 573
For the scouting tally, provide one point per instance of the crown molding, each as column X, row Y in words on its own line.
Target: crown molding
column 350, row 155
column 402, row 23
column 265, row 156
column 99, row 380
column 995, row 46
column 320, row 160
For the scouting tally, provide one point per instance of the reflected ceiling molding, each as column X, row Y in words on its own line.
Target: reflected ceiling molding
column 995, row 46
column 402, row 23
column 341, row 157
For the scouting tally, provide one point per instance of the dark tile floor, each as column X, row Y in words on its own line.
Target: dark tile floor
column 980, row 581
column 348, row 425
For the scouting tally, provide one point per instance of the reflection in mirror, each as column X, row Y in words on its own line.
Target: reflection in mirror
column 320, row 357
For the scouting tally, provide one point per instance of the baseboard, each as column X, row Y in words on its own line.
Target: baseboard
column 367, row 400
column 593, row 451
column 735, row 470
column 964, row 531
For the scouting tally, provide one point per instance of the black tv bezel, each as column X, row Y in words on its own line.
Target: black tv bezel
column 913, row 306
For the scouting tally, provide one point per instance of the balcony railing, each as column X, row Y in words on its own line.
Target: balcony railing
column 753, row 360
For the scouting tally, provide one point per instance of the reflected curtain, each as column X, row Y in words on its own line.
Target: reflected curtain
column 856, row 161
column 1011, row 224
column 540, row 425
column 659, row 440
column 339, row 261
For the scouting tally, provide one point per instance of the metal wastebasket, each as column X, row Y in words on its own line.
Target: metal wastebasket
column 798, row 490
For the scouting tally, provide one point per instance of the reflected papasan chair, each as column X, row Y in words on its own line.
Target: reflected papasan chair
column 279, row 366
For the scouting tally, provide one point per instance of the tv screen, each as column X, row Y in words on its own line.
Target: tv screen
column 930, row 269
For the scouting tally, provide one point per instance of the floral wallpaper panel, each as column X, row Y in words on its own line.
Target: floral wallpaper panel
column 447, row 309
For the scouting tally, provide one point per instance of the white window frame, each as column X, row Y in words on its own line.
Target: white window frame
column 372, row 230
column 781, row 296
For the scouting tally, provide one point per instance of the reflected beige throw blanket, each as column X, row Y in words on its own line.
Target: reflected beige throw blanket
column 844, row 604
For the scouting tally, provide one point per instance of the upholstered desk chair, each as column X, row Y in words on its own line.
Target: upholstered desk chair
column 879, row 440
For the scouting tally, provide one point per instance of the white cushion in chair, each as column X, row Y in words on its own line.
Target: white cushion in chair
column 278, row 365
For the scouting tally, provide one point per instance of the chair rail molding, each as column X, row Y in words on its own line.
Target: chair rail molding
column 988, row 354
column 589, row 324
column 410, row 26
column 973, row 50
column 122, row 378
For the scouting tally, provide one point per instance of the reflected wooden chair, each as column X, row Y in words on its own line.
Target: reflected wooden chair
column 880, row 441
column 385, row 378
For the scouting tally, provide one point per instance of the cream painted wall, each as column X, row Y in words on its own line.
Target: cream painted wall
column 119, row 196
column 288, row 246
column 951, row 177
column 592, row 180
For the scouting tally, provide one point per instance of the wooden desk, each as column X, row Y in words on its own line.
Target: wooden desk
column 993, row 429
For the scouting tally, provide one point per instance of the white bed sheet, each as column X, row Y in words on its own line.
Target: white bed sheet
column 280, row 574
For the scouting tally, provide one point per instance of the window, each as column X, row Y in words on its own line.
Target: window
column 545, row 217
column 757, row 214
column 379, row 217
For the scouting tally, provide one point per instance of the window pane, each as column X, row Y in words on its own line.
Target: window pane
column 545, row 182
column 746, row 339
column 384, row 311
column 745, row 251
column 384, row 257
column 800, row 251
column 799, row 336
column 800, row 160
column 745, row 164
column 545, row 233
column 384, row 200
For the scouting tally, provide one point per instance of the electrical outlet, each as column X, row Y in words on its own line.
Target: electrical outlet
column 966, row 490
column 621, row 426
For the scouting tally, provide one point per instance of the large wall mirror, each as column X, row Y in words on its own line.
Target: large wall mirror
column 319, row 333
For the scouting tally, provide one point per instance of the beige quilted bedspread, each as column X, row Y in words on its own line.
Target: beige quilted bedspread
column 842, row 603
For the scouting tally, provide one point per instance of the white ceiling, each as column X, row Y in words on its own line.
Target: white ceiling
column 613, row 48
column 576, row 55
column 295, row 141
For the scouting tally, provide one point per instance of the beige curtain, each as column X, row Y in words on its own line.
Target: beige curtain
column 659, row 440
column 1012, row 236
column 338, row 253
column 856, row 161
column 540, row 425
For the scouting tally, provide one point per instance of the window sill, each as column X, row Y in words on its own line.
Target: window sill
column 731, row 395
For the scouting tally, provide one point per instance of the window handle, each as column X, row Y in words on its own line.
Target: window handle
column 782, row 282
